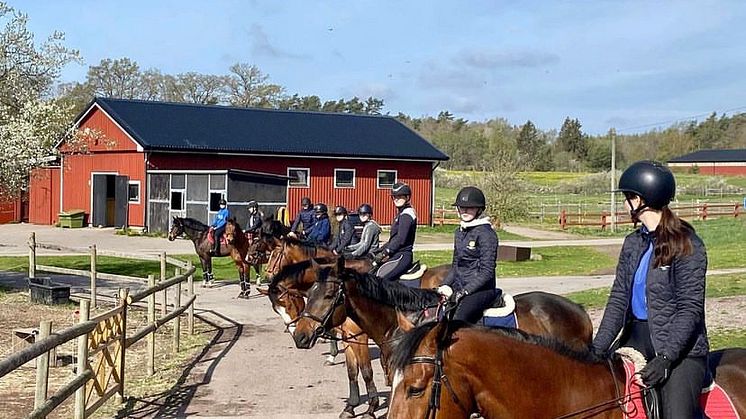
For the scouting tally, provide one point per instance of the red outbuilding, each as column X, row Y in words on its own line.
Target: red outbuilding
column 155, row 160
column 713, row 162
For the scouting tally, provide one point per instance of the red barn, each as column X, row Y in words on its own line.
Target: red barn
column 713, row 162
column 156, row 160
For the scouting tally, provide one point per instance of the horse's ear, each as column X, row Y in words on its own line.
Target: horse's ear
column 403, row 321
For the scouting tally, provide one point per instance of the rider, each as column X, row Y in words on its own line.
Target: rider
column 398, row 249
column 254, row 224
column 658, row 296
column 305, row 217
column 346, row 229
column 321, row 230
column 471, row 279
column 369, row 237
column 218, row 225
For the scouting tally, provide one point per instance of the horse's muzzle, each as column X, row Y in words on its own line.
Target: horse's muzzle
column 303, row 340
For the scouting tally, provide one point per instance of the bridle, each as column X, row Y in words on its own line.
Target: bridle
column 322, row 330
column 439, row 378
column 276, row 256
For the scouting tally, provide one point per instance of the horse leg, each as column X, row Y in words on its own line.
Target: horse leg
column 258, row 269
column 333, row 352
column 205, row 271
column 210, row 277
column 360, row 347
column 353, row 400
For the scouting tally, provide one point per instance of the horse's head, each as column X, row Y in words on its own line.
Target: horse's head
column 325, row 307
column 286, row 252
column 231, row 231
column 415, row 363
column 287, row 301
column 177, row 228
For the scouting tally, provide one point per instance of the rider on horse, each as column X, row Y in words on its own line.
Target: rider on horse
column 304, row 218
column 346, row 230
column 254, row 224
column 218, row 225
column 369, row 237
column 472, row 277
column 321, row 231
column 399, row 248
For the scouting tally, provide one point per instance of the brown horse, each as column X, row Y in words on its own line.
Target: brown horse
column 520, row 376
column 249, row 247
column 372, row 303
column 198, row 233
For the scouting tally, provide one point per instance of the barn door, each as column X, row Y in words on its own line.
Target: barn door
column 99, row 200
column 121, row 199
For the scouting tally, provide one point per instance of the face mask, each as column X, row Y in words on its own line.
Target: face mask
column 364, row 218
column 340, row 218
column 222, row 207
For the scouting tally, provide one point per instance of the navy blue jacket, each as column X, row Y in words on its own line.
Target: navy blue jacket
column 320, row 232
column 675, row 296
column 403, row 231
column 343, row 238
column 305, row 217
column 474, row 257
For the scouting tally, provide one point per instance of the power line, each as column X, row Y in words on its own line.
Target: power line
column 669, row 122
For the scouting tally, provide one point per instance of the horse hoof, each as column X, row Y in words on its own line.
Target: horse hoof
column 348, row 413
column 368, row 415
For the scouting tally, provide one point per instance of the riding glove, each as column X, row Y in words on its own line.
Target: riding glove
column 379, row 257
column 656, row 371
column 459, row 295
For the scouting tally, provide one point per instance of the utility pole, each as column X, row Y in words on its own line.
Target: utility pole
column 612, row 134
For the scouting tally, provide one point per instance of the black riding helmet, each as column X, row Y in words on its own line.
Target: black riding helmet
column 340, row 210
column 651, row 181
column 305, row 202
column 222, row 202
column 252, row 204
column 320, row 208
column 401, row 189
column 470, row 197
column 365, row 209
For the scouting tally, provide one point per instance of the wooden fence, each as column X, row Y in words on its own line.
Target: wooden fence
column 102, row 341
column 603, row 219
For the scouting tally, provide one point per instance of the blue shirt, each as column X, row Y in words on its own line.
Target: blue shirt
column 639, row 297
column 221, row 218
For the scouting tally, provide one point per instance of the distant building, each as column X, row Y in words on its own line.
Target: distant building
column 713, row 162
column 160, row 160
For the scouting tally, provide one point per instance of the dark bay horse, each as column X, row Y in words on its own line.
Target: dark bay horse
column 198, row 233
column 520, row 376
column 372, row 303
column 251, row 249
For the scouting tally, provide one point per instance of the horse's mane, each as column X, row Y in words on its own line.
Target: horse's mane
column 274, row 228
column 309, row 249
column 193, row 224
column 406, row 346
column 392, row 293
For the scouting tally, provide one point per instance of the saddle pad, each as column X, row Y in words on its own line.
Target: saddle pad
column 504, row 321
column 411, row 283
column 211, row 238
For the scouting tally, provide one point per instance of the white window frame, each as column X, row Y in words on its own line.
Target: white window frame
column 354, row 179
column 307, row 169
column 378, row 178
column 139, row 192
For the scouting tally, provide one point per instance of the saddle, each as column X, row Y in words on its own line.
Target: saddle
column 412, row 278
column 501, row 313
column 211, row 237
column 715, row 402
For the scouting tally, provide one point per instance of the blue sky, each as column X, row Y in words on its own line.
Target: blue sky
column 608, row 63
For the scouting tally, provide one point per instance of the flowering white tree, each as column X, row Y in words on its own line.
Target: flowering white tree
column 31, row 122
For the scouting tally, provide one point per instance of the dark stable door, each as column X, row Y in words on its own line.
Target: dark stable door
column 99, row 200
column 121, row 199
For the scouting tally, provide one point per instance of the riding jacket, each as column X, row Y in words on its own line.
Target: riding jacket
column 221, row 218
column 305, row 217
column 474, row 257
column 403, row 231
column 321, row 231
column 254, row 224
column 343, row 236
column 368, row 240
column 675, row 299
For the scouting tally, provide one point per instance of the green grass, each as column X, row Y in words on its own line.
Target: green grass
column 717, row 286
column 721, row 339
column 551, row 178
column 555, row 261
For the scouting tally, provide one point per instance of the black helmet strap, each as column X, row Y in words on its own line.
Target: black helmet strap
column 634, row 213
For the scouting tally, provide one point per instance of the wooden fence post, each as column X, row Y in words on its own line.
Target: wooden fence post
column 563, row 219
column 177, row 320
column 123, row 294
column 32, row 255
column 151, row 335
column 82, row 361
column 704, row 212
column 735, row 210
column 164, row 309
column 93, row 275
column 42, row 366
column 190, row 289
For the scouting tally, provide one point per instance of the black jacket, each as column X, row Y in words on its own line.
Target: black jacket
column 675, row 296
column 343, row 238
column 403, row 231
column 474, row 257
column 254, row 224
column 305, row 218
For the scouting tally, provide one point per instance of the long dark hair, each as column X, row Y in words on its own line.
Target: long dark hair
column 673, row 238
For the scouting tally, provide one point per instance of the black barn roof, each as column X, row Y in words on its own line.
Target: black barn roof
column 164, row 126
column 712, row 156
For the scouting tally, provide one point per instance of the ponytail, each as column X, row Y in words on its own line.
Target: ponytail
column 672, row 238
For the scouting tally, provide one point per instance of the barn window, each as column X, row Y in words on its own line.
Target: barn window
column 215, row 198
column 133, row 192
column 386, row 178
column 177, row 200
column 344, row 178
column 299, row 177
